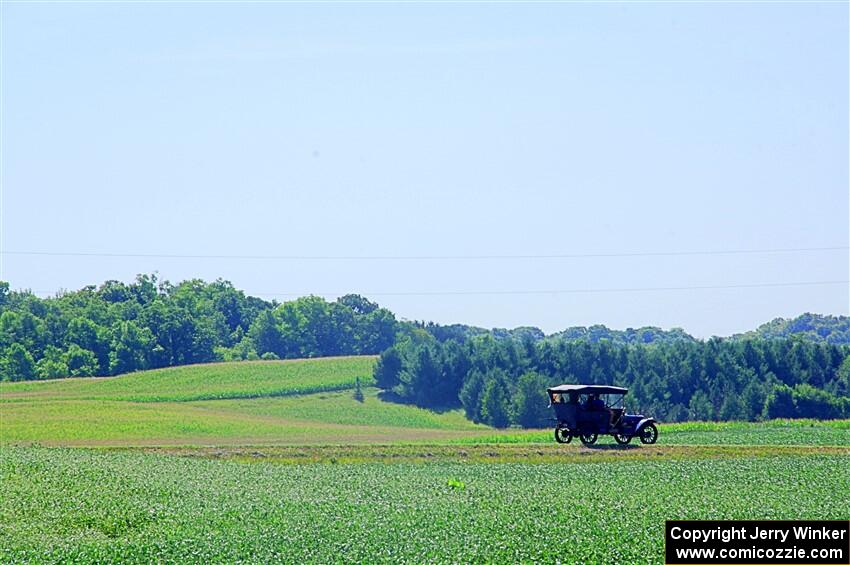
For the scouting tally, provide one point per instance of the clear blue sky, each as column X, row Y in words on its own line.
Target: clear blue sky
column 450, row 129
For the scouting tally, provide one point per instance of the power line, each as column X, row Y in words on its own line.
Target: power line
column 564, row 291
column 424, row 257
column 535, row 292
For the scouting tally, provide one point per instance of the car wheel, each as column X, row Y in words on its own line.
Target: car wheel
column 563, row 435
column 622, row 439
column 588, row 439
column 649, row 434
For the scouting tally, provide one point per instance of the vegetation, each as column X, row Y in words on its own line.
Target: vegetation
column 596, row 333
column 497, row 376
column 299, row 402
column 202, row 382
column 811, row 327
column 500, row 382
column 261, row 402
column 324, row 418
column 787, row 433
column 386, row 459
column 85, row 506
column 118, row 328
column 264, row 402
column 477, row 452
column 409, row 484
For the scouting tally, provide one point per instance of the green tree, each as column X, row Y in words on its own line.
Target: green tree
column 470, row 395
column 265, row 334
column 18, row 364
column 812, row 402
column 700, row 407
column 80, row 362
column 732, row 408
column 387, row 369
column 780, row 403
column 90, row 336
column 752, row 399
column 358, row 304
column 531, row 401
column 421, row 377
column 130, row 343
column 52, row 365
column 495, row 409
column 841, row 386
column 358, row 391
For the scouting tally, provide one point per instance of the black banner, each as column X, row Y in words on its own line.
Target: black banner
column 764, row 542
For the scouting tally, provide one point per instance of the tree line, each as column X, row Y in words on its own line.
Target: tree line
column 119, row 328
column 503, row 382
column 785, row 368
column 812, row 327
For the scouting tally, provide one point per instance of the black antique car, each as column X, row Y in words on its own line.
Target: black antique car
column 586, row 411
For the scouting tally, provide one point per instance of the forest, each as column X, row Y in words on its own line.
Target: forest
column 119, row 328
column 784, row 368
column 503, row 382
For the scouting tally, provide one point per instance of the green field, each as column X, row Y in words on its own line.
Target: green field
column 257, row 403
column 276, row 461
column 773, row 432
column 62, row 505
column 322, row 418
column 250, row 379
column 301, row 402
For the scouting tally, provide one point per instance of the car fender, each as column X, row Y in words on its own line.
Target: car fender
column 643, row 423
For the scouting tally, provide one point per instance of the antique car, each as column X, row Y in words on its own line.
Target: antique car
column 588, row 411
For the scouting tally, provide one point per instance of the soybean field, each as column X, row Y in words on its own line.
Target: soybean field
column 63, row 505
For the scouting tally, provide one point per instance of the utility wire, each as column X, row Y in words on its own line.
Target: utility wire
column 424, row 257
column 565, row 291
column 531, row 292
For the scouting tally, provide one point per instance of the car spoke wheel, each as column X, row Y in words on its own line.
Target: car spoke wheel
column 622, row 439
column 649, row 434
column 563, row 435
column 588, row 439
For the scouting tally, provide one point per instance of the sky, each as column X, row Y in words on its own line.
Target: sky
column 585, row 145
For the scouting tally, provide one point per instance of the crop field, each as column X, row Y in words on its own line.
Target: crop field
column 273, row 402
column 63, row 505
column 111, row 423
column 266, row 402
column 249, row 379
column 276, row 461
column 333, row 417
column 302, row 402
column 773, row 432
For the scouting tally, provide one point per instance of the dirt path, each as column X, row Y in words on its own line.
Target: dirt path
column 492, row 453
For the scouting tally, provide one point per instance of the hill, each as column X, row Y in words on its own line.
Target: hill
column 248, row 379
column 593, row 334
column 810, row 327
column 246, row 403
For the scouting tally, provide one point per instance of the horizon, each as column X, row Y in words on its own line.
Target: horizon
column 58, row 293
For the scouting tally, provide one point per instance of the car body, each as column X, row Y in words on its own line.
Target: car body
column 580, row 411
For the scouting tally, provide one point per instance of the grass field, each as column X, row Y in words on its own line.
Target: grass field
column 276, row 461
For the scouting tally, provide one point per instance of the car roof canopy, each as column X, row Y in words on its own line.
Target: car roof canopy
column 588, row 389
